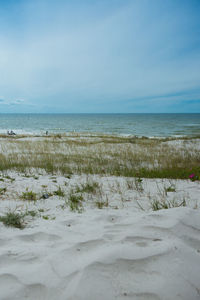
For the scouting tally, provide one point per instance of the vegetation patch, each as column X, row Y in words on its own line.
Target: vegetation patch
column 3, row 190
column 29, row 195
column 159, row 204
column 32, row 213
column 13, row 219
column 75, row 202
column 101, row 204
column 10, row 178
column 88, row 187
column 170, row 189
column 59, row 192
column 103, row 155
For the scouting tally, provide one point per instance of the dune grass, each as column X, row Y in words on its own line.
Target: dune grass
column 29, row 195
column 130, row 157
column 164, row 204
column 90, row 187
column 59, row 192
column 75, row 202
column 13, row 219
column 3, row 190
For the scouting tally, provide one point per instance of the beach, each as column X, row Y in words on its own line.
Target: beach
column 99, row 150
column 99, row 217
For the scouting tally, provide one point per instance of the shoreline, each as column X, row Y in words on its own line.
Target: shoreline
column 20, row 133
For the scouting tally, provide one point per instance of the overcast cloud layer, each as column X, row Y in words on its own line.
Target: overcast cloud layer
column 99, row 56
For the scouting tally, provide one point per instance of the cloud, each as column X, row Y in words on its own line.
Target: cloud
column 9, row 102
column 75, row 56
column 18, row 102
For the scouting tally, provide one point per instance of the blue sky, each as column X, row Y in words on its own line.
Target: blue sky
column 101, row 56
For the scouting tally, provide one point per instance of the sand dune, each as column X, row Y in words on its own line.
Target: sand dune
column 107, row 253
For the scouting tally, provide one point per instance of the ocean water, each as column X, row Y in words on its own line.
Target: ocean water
column 158, row 125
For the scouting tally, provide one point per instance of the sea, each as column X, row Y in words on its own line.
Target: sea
column 149, row 125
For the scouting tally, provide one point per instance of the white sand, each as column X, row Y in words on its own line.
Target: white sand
column 118, row 252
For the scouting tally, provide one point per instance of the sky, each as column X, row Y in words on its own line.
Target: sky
column 99, row 56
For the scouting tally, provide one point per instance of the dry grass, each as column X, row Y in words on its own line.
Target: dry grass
column 104, row 155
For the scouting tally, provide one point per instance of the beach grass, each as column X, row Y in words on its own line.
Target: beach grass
column 164, row 204
column 75, row 202
column 29, row 195
column 118, row 156
column 59, row 192
column 13, row 219
column 88, row 187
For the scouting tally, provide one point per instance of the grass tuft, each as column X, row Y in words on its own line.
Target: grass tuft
column 2, row 191
column 75, row 202
column 29, row 195
column 13, row 219
column 170, row 189
column 88, row 187
column 164, row 204
column 31, row 213
column 59, row 192
column 101, row 204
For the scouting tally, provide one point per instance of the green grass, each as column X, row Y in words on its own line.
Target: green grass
column 31, row 213
column 164, row 204
column 10, row 178
column 59, row 192
column 75, row 202
column 170, row 189
column 88, row 187
column 3, row 190
column 75, row 198
column 101, row 204
column 13, row 219
column 29, row 195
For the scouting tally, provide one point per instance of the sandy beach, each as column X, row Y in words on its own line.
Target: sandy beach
column 97, row 236
column 99, row 150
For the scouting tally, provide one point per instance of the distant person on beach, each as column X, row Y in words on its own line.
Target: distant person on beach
column 11, row 132
column 47, row 133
